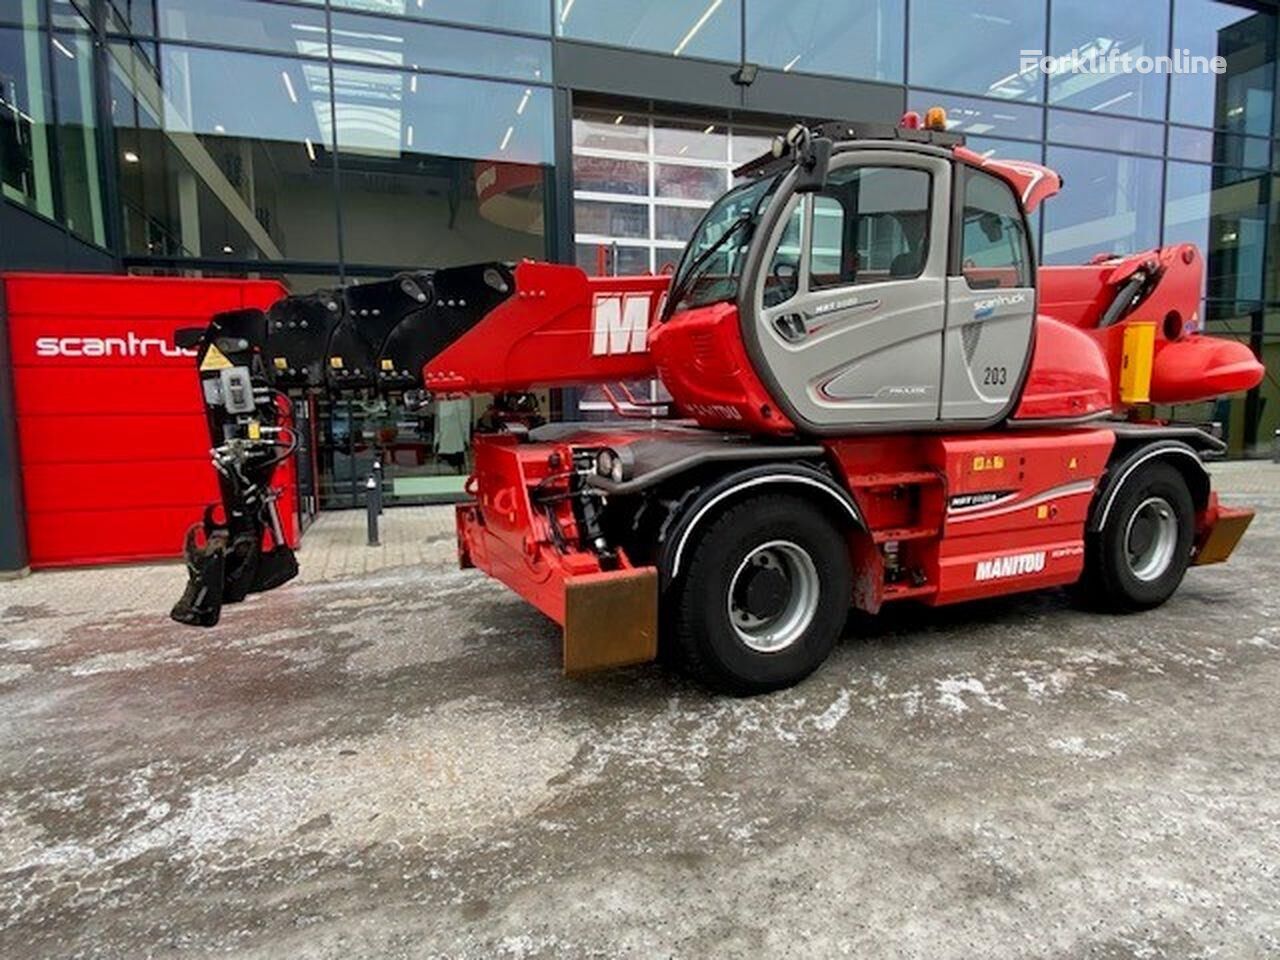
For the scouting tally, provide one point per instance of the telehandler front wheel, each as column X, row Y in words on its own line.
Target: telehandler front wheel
column 1139, row 557
column 764, row 596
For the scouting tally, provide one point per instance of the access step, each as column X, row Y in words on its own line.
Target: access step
column 905, row 591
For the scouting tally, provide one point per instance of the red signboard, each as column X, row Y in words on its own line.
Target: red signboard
column 111, row 428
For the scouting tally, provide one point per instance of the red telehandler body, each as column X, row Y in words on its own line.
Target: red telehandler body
column 874, row 395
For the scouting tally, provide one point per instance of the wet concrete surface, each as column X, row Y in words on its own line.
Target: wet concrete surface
column 392, row 765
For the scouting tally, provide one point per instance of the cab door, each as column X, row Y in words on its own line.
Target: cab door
column 850, row 303
column 991, row 302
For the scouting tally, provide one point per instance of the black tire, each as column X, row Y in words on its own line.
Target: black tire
column 1112, row 579
column 706, row 640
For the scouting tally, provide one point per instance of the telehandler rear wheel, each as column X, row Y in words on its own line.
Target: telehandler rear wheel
column 1139, row 557
column 765, row 596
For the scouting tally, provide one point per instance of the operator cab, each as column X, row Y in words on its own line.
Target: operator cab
column 884, row 276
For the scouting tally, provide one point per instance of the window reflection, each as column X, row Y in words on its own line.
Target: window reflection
column 1108, row 133
column 244, row 23
column 1209, row 146
column 1223, row 213
column 829, row 36
column 389, row 112
column 22, row 13
column 973, row 47
column 525, row 16
column 975, row 117
column 396, row 43
column 26, row 141
column 224, row 155
column 1113, row 205
column 682, row 28
column 1240, row 100
column 78, row 160
column 440, row 170
column 1098, row 28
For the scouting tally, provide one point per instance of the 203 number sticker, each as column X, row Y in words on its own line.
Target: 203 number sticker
column 995, row 376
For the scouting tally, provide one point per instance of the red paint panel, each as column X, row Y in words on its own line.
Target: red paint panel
column 111, row 425
column 60, row 438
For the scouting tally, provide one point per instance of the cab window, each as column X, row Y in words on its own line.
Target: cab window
column 783, row 281
column 995, row 252
column 870, row 225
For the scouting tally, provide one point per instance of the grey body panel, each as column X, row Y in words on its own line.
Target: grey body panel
column 868, row 353
column 987, row 346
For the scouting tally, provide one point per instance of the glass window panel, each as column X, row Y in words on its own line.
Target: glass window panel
column 131, row 16
column 26, row 135
column 420, row 46
column 783, row 279
column 829, row 36
column 702, row 28
column 1091, row 30
column 700, row 141
column 524, row 16
column 987, row 118
column 676, row 223
column 611, row 131
column 68, row 14
column 995, row 249
column 689, row 183
column 79, row 162
column 1226, row 217
column 1241, row 99
column 387, row 112
column 411, row 208
column 1110, row 133
column 224, row 154
column 749, row 144
column 440, row 170
column 974, row 47
column 888, row 238
column 269, row 27
column 610, row 175
column 1111, row 205
column 1209, row 146
column 611, row 219
column 1005, row 149
column 23, row 13
column 611, row 259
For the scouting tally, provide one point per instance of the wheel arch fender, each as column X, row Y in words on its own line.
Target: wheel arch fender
column 707, row 503
column 1125, row 467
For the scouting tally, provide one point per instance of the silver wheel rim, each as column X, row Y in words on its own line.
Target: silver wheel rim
column 1151, row 539
column 775, row 633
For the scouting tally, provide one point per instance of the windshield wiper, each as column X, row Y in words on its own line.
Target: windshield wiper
column 682, row 287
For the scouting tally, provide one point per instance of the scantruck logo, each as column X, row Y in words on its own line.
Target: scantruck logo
column 620, row 323
column 1018, row 565
column 128, row 345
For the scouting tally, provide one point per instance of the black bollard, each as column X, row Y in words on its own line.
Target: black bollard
column 371, row 510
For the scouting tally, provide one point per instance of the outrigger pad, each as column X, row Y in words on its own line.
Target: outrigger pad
column 201, row 602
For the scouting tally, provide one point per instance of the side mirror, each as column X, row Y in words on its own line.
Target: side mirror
column 991, row 226
column 813, row 160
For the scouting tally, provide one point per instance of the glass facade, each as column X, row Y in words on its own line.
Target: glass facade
column 326, row 141
column 50, row 159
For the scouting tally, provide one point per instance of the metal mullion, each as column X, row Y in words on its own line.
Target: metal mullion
column 336, row 171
